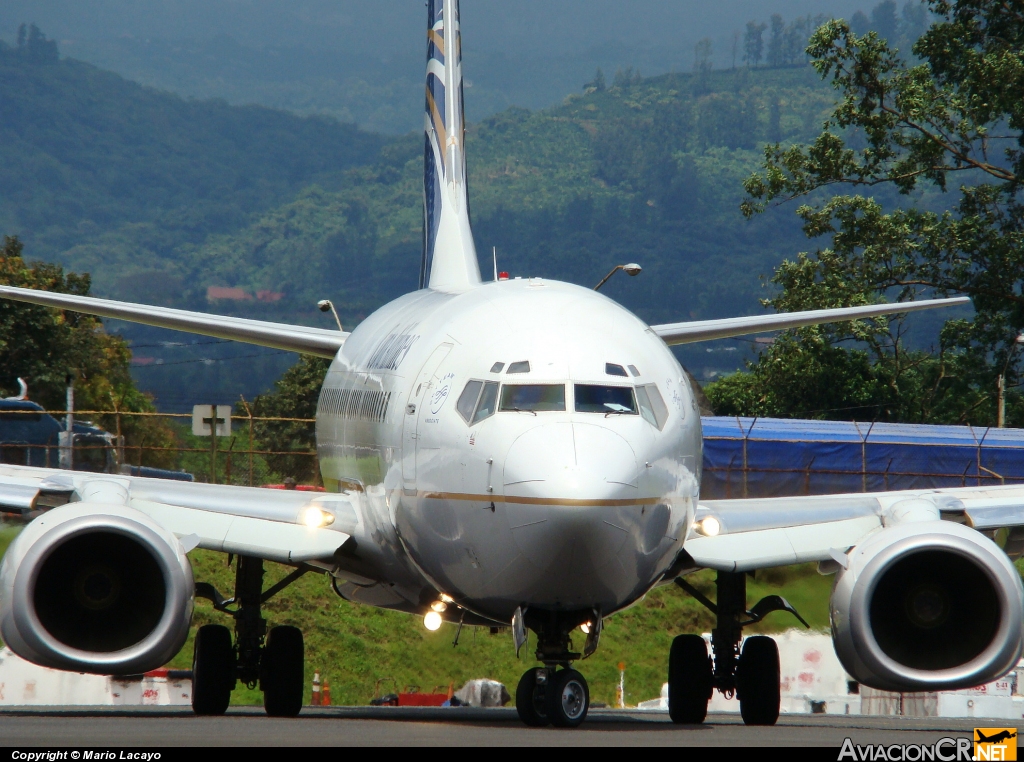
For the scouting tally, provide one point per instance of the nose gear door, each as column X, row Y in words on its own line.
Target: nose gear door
column 418, row 399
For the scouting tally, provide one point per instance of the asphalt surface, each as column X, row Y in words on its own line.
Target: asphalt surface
column 158, row 727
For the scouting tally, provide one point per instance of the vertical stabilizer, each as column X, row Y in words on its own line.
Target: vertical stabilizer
column 449, row 254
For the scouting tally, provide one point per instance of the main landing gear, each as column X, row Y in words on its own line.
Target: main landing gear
column 273, row 660
column 750, row 673
column 555, row 694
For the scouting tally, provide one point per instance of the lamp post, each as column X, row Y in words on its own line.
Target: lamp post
column 326, row 305
column 632, row 269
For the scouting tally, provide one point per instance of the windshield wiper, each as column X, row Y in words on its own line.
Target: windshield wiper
column 618, row 412
column 519, row 410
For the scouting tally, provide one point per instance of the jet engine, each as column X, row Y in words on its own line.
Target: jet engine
column 93, row 587
column 927, row 606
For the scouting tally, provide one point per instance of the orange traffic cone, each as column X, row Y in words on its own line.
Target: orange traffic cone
column 325, row 696
column 316, row 700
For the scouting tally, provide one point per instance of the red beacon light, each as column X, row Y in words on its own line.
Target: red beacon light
column 503, row 275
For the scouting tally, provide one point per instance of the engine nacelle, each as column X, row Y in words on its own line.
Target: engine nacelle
column 927, row 606
column 94, row 587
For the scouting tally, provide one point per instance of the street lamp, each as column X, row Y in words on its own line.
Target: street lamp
column 632, row 269
column 325, row 305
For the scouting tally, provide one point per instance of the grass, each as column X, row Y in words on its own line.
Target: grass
column 354, row 646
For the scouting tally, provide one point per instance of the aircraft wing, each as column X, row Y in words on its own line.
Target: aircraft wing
column 270, row 524
column 763, row 532
column 707, row 330
column 293, row 338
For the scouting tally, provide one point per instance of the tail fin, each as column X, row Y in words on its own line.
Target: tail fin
column 449, row 254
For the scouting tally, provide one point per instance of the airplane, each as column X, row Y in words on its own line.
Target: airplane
column 519, row 453
column 1002, row 735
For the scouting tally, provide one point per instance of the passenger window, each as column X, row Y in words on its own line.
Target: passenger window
column 533, row 397
column 604, row 399
column 467, row 400
column 488, row 398
column 658, row 407
column 519, row 367
column 614, row 370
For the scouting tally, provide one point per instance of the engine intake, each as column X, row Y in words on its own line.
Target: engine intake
column 927, row 606
column 96, row 588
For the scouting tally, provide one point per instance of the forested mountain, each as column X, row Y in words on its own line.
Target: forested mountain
column 107, row 176
column 161, row 198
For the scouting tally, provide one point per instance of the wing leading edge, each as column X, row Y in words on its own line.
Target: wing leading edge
column 708, row 330
column 763, row 532
column 293, row 338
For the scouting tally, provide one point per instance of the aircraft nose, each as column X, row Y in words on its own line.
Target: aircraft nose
column 568, row 488
column 576, row 461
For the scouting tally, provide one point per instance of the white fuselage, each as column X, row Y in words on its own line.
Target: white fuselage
column 544, row 507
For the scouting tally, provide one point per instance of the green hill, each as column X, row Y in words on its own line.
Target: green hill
column 160, row 198
column 117, row 179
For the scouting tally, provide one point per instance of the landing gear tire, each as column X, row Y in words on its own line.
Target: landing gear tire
column 530, row 699
column 689, row 680
column 213, row 670
column 281, row 672
column 757, row 681
column 568, row 699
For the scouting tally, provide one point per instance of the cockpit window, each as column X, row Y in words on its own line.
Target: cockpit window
column 519, row 367
column 467, row 400
column 614, row 370
column 633, row 370
column 477, row 401
column 604, row 399
column 488, row 398
column 652, row 406
column 496, row 368
column 532, row 397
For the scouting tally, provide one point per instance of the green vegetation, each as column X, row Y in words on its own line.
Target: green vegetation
column 353, row 646
column 44, row 346
column 955, row 117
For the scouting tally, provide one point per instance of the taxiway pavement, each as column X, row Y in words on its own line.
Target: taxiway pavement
column 394, row 726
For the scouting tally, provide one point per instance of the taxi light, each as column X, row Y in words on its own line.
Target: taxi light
column 432, row 621
column 446, row 598
column 315, row 518
column 585, row 627
column 710, row 526
column 439, row 606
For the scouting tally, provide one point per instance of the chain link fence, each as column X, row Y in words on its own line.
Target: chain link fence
column 162, row 445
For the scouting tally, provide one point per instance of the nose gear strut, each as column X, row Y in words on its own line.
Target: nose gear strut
column 554, row 694
column 751, row 673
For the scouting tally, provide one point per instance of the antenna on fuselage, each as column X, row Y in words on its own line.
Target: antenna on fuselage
column 494, row 251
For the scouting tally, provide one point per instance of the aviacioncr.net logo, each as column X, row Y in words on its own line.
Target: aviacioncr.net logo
column 943, row 750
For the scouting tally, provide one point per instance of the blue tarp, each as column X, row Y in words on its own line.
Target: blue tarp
column 771, row 457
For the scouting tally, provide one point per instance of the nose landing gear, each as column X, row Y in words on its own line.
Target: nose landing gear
column 750, row 673
column 555, row 694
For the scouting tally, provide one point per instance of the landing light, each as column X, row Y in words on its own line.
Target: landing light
column 446, row 598
column 709, row 527
column 315, row 518
column 439, row 606
column 585, row 627
column 432, row 621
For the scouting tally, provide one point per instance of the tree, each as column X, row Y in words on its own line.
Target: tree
column 598, row 83
column 702, row 65
column 43, row 346
column 295, row 395
column 776, row 45
column 954, row 117
column 885, row 22
column 753, row 43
